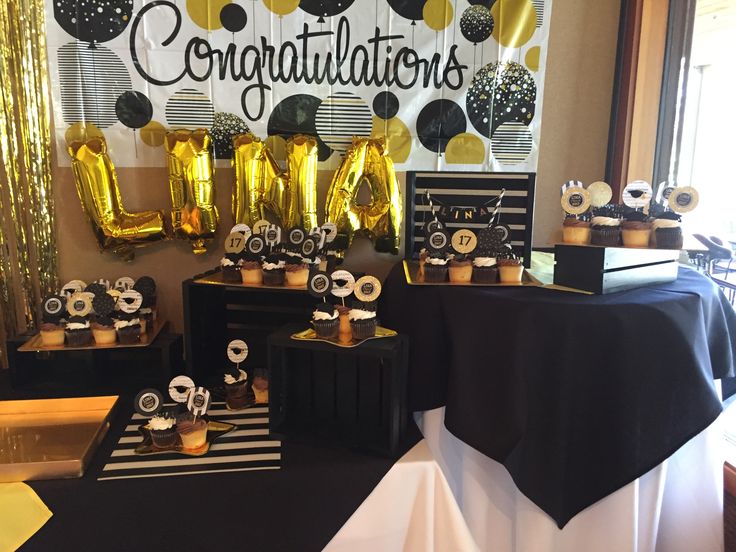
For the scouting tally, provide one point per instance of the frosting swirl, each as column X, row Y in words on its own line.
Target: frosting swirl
column 273, row 266
column 230, row 380
column 125, row 323
column 320, row 315
column 436, row 261
column 360, row 314
column 482, row 262
column 664, row 223
column 605, row 221
column 77, row 325
column 160, row 423
column 226, row 262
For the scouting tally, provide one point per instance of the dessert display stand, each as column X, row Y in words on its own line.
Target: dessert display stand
column 354, row 396
column 215, row 313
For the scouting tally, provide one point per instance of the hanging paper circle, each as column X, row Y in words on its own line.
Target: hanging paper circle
column 281, row 7
column 325, row 8
column 233, row 17
column 476, row 23
column 437, row 14
column 190, row 108
column 179, row 388
column 385, row 105
column 600, row 193
column 296, row 115
column 397, row 135
column 341, row 116
column 81, row 132
column 133, row 109
column 91, row 21
column 205, row 13
column 91, row 80
column 224, row 127
column 438, row 122
column 511, row 143
column 465, row 149
column 153, row 134
column 531, row 58
column 500, row 93
column 515, row 22
column 237, row 351
column 637, row 194
column 410, row 9
column 684, row 199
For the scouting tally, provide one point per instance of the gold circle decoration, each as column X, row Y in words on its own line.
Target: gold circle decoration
column 531, row 59
column 234, row 243
column 465, row 149
column 281, row 7
column 79, row 305
column 206, row 13
column 367, row 289
column 398, row 137
column 81, row 132
column 464, row 241
column 153, row 134
column 277, row 146
column 575, row 201
column 515, row 22
column 261, row 226
column 437, row 14
column 600, row 193
column 683, row 199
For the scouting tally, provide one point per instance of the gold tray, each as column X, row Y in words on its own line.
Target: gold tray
column 35, row 345
column 51, row 438
column 311, row 335
column 411, row 271
column 215, row 429
column 216, row 279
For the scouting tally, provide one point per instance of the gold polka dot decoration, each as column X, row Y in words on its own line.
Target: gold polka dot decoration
column 81, row 132
column 206, row 13
column 515, row 22
column 465, row 149
column 277, row 146
column 398, row 137
column 437, row 14
column 281, row 7
column 153, row 134
column 531, row 59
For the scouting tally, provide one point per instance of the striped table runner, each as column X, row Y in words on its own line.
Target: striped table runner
column 245, row 448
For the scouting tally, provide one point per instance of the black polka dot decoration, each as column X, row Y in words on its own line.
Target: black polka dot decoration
column 486, row 3
column 103, row 304
column 297, row 115
column 96, row 288
column 233, row 17
column 91, row 81
column 93, row 21
column 476, row 23
column 325, row 8
column 410, row 9
column 500, row 93
column 146, row 286
column 386, row 105
column 226, row 126
column 134, row 109
column 438, row 122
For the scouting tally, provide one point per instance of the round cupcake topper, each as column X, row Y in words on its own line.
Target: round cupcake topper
column 115, row 294
column 237, row 351
column 146, row 286
column 72, row 287
column 256, row 244
column 179, row 388
column 438, row 241
column 243, row 229
column 148, row 402
column 103, row 304
column 343, row 283
column 464, row 241
column 103, row 282
column 79, row 304
column 637, row 194
column 568, row 185
column 664, row 191
column 319, row 284
column 367, row 289
column 684, row 199
column 489, row 241
column 310, row 247
column 272, row 235
column 296, row 236
column 124, row 283
column 261, row 226
column 330, row 230
column 575, row 201
column 130, row 301
column 500, row 233
column 199, row 401
column 235, row 242
column 54, row 305
column 319, row 235
column 96, row 288
column 600, row 193
column 433, row 226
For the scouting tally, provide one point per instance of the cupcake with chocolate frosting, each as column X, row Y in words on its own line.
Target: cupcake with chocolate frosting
column 461, row 269
column 250, row 269
column 575, row 231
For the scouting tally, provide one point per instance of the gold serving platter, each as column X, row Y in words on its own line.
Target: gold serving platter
column 215, row 429
column 216, row 279
column 411, row 271
column 35, row 345
column 311, row 335
column 51, row 438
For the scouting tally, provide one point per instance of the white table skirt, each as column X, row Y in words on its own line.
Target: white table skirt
column 445, row 496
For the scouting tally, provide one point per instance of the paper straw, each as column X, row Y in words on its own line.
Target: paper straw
column 497, row 208
column 431, row 206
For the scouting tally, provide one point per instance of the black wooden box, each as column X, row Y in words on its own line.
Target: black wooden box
column 604, row 270
column 354, row 396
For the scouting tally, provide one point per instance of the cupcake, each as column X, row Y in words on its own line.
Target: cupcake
column 52, row 334
column 435, row 268
column 666, row 231
column 192, row 431
column 273, row 271
column 163, row 432
column 575, row 231
column 343, row 312
column 636, row 229
column 230, row 267
column 78, row 332
column 325, row 320
column 103, row 330
column 260, row 389
column 250, row 270
column 296, row 272
column 461, row 269
column 128, row 328
column 484, row 270
column 236, row 390
column 605, row 228
column 510, row 269
column 362, row 323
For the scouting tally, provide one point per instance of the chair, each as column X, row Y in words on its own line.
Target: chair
column 718, row 263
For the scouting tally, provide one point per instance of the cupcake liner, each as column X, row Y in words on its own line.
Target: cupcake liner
column 363, row 329
column 164, row 438
column 668, row 238
column 609, row 236
column 231, row 274
column 485, row 274
column 129, row 335
column 79, row 338
column 273, row 277
column 435, row 273
column 326, row 329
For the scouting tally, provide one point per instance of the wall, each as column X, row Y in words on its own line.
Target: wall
column 580, row 67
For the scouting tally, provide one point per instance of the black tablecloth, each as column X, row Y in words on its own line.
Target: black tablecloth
column 575, row 395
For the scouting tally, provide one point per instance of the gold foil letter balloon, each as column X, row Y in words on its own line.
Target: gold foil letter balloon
column 366, row 163
column 192, row 186
column 116, row 230
column 288, row 197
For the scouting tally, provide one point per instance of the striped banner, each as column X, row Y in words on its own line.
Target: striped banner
column 244, row 449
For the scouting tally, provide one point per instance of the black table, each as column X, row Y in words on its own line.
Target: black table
column 575, row 395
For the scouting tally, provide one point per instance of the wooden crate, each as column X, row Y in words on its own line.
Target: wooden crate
column 355, row 396
column 604, row 270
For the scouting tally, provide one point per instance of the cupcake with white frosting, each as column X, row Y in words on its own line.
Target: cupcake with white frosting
column 273, row 271
column 326, row 321
column 230, row 266
column 362, row 323
column 128, row 328
column 236, row 389
column 78, row 331
column 666, row 231
column 605, row 227
column 435, row 268
column 485, row 270
column 163, row 432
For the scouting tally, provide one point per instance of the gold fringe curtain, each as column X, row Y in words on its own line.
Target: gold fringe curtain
column 28, row 267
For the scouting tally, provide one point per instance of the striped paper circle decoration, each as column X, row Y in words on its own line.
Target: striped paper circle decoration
column 190, row 108
column 539, row 8
column 511, row 144
column 340, row 117
column 91, row 79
